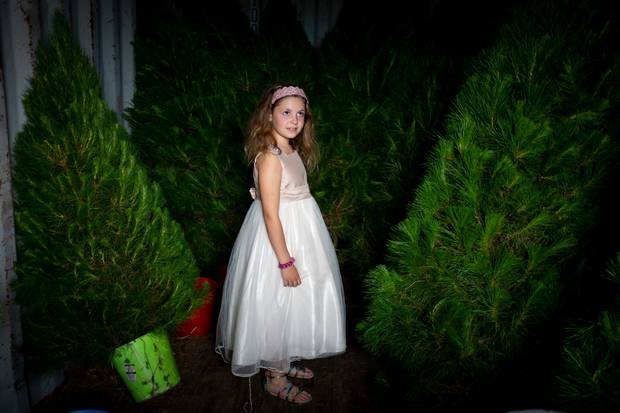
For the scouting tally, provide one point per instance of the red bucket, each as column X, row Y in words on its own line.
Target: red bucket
column 200, row 322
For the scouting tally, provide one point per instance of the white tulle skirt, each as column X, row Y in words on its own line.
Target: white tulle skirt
column 263, row 324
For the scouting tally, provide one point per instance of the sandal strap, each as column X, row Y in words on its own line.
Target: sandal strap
column 292, row 397
column 294, row 371
column 285, row 393
column 289, row 388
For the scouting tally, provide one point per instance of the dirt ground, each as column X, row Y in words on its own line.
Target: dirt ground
column 342, row 383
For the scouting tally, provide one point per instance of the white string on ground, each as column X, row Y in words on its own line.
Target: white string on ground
column 245, row 405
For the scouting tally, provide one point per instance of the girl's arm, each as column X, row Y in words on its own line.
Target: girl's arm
column 269, row 178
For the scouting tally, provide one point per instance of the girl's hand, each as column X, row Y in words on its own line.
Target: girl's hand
column 290, row 277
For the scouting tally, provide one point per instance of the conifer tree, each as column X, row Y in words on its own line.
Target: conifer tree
column 476, row 267
column 100, row 261
column 376, row 121
column 190, row 111
column 184, row 125
column 196, row 89
column 590, row 372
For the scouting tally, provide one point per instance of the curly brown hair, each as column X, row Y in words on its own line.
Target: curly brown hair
column 259, row 136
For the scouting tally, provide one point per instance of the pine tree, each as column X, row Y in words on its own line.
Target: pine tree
column 376, row 121
column 589, row 375
column 196, row 89
column 100, row 261
column 183, row 124
column 476, row 267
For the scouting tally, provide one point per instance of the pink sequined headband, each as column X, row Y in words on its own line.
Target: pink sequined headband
column 288, row 91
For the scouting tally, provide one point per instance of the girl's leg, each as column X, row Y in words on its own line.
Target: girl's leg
column 277, row 384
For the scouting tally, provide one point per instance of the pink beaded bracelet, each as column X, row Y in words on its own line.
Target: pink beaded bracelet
column 287, row 264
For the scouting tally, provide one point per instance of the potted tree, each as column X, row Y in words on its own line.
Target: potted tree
column 100, row 262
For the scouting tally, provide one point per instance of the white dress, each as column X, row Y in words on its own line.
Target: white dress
column 263, row 324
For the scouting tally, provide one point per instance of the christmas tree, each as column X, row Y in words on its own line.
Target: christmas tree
column 197, row 84
column 589, row 374
column 100, row 261
column 375, row 124
column 476, row 267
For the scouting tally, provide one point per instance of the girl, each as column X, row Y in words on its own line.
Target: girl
column 282, row 299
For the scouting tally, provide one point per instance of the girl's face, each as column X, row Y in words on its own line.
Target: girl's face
column 288, row 117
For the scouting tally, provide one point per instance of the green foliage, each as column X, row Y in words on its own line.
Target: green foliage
column 196, row 89
column 476, row 266
column 375, row 122
column 184, row 124
column 190, row 109
column 589, row 375
column 100, row 262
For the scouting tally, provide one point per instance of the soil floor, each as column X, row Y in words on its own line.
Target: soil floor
column 342, row 383
column 207, row 385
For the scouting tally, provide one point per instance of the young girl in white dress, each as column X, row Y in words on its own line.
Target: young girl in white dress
column 283, row 299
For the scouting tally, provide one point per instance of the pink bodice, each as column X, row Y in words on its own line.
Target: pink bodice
column 294, row 184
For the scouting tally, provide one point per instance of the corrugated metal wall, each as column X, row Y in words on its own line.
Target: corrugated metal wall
column 317, row 17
